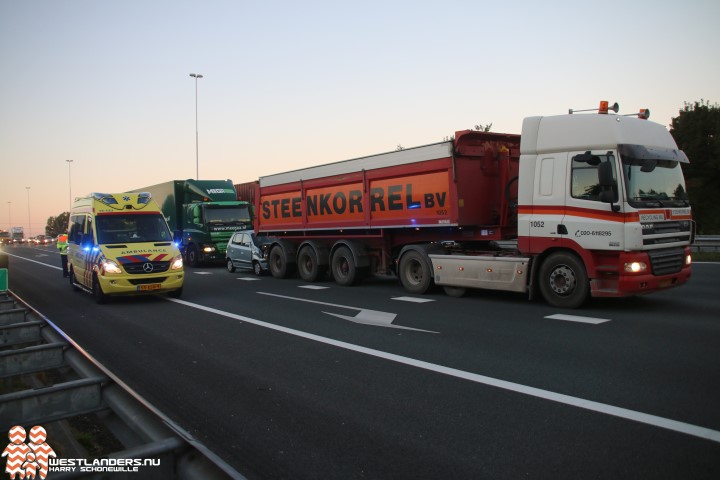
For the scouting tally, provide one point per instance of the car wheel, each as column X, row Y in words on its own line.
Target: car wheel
column 230, row 266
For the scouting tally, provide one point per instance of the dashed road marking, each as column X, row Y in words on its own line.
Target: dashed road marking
column 577, row 318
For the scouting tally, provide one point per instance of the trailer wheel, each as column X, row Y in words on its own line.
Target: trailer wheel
column 344, row 270
column 415, row 273
column 277, row 262
column 308, row 265
column 563, row 280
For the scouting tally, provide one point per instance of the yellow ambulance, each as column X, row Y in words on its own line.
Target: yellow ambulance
column 120, row 244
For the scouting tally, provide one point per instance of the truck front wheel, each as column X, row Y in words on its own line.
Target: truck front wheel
column 563, row 280
column 415, row 273
column 191, row 255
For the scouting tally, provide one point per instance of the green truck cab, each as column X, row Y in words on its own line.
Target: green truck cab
column 203, row 214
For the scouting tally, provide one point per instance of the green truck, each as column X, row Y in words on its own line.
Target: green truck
column 203, row 214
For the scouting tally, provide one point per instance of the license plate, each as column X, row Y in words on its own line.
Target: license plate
column 149, row 287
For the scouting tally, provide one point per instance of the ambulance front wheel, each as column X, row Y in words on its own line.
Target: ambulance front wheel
column 99, row 295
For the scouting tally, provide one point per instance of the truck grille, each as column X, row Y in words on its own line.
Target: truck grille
column 665, row 262
column 139, row 268
column 658, row 233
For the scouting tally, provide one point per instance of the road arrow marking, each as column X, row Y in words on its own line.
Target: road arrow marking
column 364, row 316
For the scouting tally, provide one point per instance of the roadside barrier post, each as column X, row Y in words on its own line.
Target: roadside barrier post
column 3, row 272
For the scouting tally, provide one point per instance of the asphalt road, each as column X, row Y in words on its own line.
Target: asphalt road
column 284, row 381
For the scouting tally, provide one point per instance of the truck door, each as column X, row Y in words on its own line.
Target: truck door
column 592, row 221
column 546, row 222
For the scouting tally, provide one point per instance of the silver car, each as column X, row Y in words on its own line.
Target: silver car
column 243, row 251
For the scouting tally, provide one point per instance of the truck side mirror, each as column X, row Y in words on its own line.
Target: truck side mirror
column 608, row 187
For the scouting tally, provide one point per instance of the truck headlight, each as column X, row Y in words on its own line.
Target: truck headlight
column 109, row 266
column 688, row 259
column 208, row 249
column 635, row 267
column 177, row 263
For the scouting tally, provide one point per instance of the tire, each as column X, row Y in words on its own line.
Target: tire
column 278, row 263
column 257, row 268
column 192, row 257
column 308, row 266
column 73, row 281
column 344, row 270
column 563, row 281
column 229, row 265
column 415, row 272
column 99, row 295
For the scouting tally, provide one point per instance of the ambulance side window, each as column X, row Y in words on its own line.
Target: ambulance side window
column 89, row 231
column 77, row 228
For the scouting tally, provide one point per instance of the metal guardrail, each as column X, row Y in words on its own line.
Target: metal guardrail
column 47, row 379
column 706, row 243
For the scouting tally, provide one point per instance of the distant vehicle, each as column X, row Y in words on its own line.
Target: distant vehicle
column 42, row 240
column 5, row 237
column 17, row 234
column 244, row 251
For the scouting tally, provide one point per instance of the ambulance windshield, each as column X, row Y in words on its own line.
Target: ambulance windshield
column 132, row 228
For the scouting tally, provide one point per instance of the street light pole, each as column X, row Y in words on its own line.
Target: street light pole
column 69, row 184
column 197, row 162
column 9, row 216
column 29, row 234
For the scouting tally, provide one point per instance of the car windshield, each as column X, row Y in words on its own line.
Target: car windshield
column 132, row 228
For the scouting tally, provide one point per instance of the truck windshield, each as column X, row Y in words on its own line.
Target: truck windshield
column 132, row 228
column 653, row 180
column 663, row 186
column 218, row 214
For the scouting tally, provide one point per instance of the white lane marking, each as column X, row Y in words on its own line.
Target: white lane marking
column 413, row 299
column 365, row 316
column 313, row 287
column 34, row 261
column 202, row 273
column 633, row 415
column 577, row 318
column 248, row 279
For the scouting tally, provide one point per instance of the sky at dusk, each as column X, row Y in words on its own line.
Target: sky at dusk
column 290, row 84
